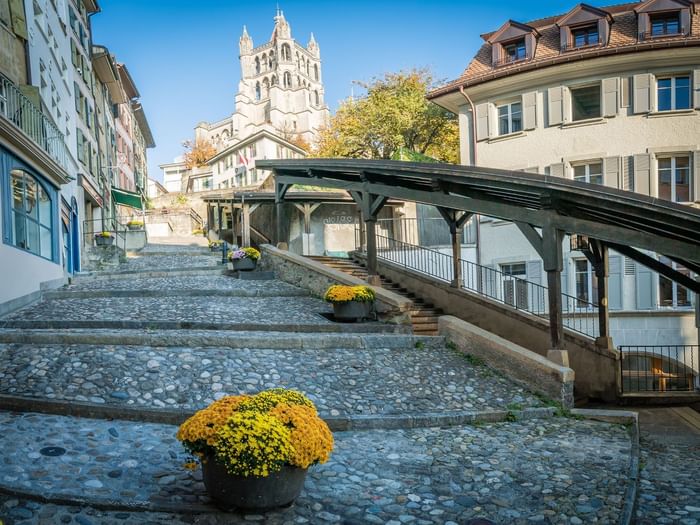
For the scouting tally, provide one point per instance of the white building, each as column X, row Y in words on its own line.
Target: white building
column 603, row 95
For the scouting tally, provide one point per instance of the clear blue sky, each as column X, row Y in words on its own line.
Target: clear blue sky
column 183, row 54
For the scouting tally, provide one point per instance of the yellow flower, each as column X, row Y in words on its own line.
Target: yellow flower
column 339, row 293
column 311, row 438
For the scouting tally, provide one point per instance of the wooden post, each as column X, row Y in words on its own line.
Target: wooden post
column 372, row 274
column 553, row 264
column 245, row 224
column 602, row 272
column 218, row 220
column 307, row 218
column 455, row 234
column 363, row 234
column 234, row 240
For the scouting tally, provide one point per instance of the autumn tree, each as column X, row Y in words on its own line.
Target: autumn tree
column 393, row 116
column 198, row 153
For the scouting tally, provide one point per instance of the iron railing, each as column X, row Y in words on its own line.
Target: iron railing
column 651, row 35
column 659, row 368
column 19, row 110
column 578, row 315
column 424, row 231
column 112, row 225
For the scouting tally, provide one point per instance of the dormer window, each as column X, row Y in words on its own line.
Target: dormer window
column 513, row 42
column 664, row 24
column 585, row 36
column 584, row 26
column 514, row 51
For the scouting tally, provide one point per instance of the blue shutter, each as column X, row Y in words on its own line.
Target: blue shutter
column 645, row 288
column 615, row 283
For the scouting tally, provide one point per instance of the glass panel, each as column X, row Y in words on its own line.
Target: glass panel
column 32, row 239
column 516, row 117
column 582, row 280
column 595, row 173
column 682, row 293
column 663, row 89
column 18, row 230
column 31, row 206
column 585, row 102
column 665, row 291
column 580, row 173
column 682, row 177
column 17, row 190
column 665, row 179
column 46, row 242
column 503, row 128
column 44, row 208
column 682, row 93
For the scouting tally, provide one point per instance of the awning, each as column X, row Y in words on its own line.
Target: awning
column 127, row 198
column 90, row 190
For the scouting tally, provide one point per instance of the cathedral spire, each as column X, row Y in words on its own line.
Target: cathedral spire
column 245, row 43
column 312, row 46
column 282, row 29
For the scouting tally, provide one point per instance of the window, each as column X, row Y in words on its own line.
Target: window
column 585, row 36
column 514, row 51
column 316, row 71
column 286, row 53
column 586, row 283
column 585, row 102
column 514, row 284
column 317, row 99
column 510, row 118
column 592, row 173
column 674, row 178
column 673, row 93
column 665, row 24
column 287, row 79
column 671, row 293
column 31, row 220
column 257, row 91
column 257, row 65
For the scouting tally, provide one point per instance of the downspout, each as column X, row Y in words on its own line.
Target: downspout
column 478, row 217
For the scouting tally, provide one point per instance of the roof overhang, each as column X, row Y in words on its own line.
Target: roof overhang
column 509, row 31
column 106, row 70
column 127, row 82
column 252, row 138
column 142, row 122
column 583, row 13
column 91, row 6
column 651, row 6
column 602, row 213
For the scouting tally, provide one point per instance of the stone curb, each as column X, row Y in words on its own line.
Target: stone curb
column 163, row 272
column 87, row 294
column 368, row 328
column 622, row 417
column 310, row 341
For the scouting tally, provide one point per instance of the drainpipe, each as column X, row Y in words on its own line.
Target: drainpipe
column 477, row 218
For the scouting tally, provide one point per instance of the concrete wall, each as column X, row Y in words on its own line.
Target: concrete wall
column 597, row 373
column 181, row 222
column 317, row 277
column 529, row 369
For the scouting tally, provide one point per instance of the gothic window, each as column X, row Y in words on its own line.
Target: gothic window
column 287, row 79
column 286, row 53
column 316, row 97
column 271, row 60
column 298, row 81
column 266, row 87
column 297, row 60
column 274, row 80
column 308, row 65
column 316, row 71
column 264, row 62
column 257, row 65
column 257, row 91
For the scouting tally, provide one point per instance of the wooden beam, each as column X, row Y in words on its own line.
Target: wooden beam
column 534, row 238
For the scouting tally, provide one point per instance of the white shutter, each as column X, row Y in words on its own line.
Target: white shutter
column 642, row 173
column 696, row 88
column 611, row 172
column 696, row 175
column 611, row 87
column 555, row 104
column 615, row 282
column 564, row 33
column 557, row 170
column 642, row 93
column 645, row 288
column 628, row 173
column 482, row 121
column 685, row 21
column 536, row 294
column 530, row 110
column 565, row 276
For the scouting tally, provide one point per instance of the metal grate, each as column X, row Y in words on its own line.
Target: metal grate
column 659, row 368
column 630, row 266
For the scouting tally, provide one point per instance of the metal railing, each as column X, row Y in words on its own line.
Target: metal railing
column 578, row 315
column 19, row 110
column 651, row 35
column 659, row 368
column 111, row 225
column 424, row 231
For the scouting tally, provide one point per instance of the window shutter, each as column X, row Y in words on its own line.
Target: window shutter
column 615, row 283
column 611, row 87
column 489, row 282
column 530, row 110
column 482, row 121
column 625, row 92
column 19, row 21
column 603, row 30
column 495, row 53
column 685, row 21
column 565, row 277
column 645, row 288
column 642, row 92
column 696, row 88
column 642, row 173
column 536, row 294
column 564, row 37
column 611, row 172
column 642, row 24
column 555, row 101
column 696, row 175
column 628, row 173
column 556, row 170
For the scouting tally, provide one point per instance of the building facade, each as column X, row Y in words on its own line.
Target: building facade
column 602, row 95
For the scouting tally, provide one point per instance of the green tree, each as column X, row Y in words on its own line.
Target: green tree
column 392, row 116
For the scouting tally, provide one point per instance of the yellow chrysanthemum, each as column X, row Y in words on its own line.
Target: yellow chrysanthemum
column 339, row 293
column 311, row 438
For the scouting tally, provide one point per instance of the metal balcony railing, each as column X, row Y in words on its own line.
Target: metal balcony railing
column 666, row 33
column 20, row 111
column 659, row 368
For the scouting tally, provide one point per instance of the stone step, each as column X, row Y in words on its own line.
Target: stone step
column 151, row 273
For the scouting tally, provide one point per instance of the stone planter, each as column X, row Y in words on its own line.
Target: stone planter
column 215, row 248
column 244, row 265
column 252, row 492
column 103, row 241
column 135, row 227
column 352, row 310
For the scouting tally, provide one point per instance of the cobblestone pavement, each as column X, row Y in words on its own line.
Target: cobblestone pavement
column 340, row 381
column 185, row 282
column 555, row 470
column 268, row 310
column 669, row 488
column 158, row 262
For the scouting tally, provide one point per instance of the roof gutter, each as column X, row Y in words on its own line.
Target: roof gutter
column 471, row 105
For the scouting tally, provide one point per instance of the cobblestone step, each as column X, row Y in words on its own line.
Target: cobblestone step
column 151, row 273
column 506, row 472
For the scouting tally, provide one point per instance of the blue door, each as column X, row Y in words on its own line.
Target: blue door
column 75, row 236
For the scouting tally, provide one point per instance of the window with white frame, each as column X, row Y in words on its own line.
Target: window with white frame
column 514, row 51
column 514, row 284
column 583, row 36
column 510, row 118
column 674, row 178
column 591, row 173
column 671, row 293
column 673, row 93
column 586, row 283
column 585, row 102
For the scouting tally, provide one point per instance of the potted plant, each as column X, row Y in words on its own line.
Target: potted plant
column 134, row 224
column 104, row 239
column 244, row 259
column 350, row 303
column 215, row 245
column 255, row 450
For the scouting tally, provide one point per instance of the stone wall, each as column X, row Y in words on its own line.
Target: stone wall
column 181, row 221
column 98, row 258
column 316, row 277
column 527, row 368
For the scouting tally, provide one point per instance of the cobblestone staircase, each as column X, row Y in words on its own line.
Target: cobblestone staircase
column 424, row 316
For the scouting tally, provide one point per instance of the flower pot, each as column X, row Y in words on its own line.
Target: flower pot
column 104, row 241
column 133, row 227
column 252, row 492
column 352, row 310
column 244, row 265
column 215, row 248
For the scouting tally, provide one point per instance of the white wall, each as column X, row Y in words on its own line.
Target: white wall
column 23, row 272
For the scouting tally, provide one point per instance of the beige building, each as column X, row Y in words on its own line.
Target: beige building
column 603, row 95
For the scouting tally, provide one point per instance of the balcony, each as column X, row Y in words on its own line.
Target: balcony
column 24, row 115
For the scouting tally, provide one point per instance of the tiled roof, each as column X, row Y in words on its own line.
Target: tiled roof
column 623, row 34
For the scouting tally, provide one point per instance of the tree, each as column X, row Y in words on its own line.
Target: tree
column 199, row 153
column 393, row 114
